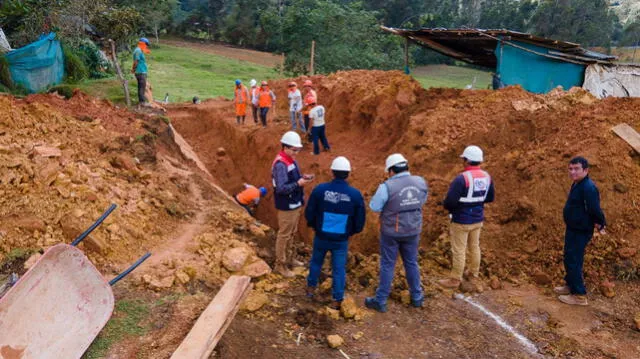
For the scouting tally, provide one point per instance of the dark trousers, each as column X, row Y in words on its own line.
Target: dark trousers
column 408, row 248
column 575, row 243
column 318, row 133
column 254, row 110
column 142, row 87
column 338, row 251
column 306, row 121
column 263, row 115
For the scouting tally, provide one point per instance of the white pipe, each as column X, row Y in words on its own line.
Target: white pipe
column 528, row 344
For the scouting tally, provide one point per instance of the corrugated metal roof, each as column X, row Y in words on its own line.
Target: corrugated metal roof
column 477, row 46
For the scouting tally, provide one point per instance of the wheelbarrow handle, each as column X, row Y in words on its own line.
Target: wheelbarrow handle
column 94, row 225
column 130, row 269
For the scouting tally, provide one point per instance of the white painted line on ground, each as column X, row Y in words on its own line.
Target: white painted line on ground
column 528, row 344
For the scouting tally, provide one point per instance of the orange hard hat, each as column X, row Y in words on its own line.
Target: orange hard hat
column 264, row 83
column 308, row 83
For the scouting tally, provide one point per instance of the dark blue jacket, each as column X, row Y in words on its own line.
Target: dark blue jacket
column 288, row 195
column 335, row 211
column 582, row 210
column 465, row 213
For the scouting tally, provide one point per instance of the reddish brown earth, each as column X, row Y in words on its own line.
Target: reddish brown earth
column 167, row 205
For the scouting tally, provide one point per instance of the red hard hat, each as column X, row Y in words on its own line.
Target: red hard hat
column 264, row 83
column 308, row 83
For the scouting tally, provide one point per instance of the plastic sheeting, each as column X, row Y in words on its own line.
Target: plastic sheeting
column 617, row 80
column 4, row 44
column 535, row 73
column 37, row 65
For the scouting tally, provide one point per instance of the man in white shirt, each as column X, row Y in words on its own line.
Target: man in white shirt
column 295, row 107
column 316, row 114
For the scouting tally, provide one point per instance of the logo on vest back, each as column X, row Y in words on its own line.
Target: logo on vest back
column 480, row 184
column 409, row 196
column 336, row 197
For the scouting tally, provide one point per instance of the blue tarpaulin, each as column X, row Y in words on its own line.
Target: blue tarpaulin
column 533, row 72
column 37, row 65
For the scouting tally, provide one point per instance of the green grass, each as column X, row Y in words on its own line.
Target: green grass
column 451, row 76
column 126, row 321
column 183, row 73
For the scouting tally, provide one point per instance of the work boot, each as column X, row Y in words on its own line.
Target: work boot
column 310, row 292
column 451, row 283
column 574, row 299
column 335, row 305
column 372, row 303
column 283, row 271
column 417, row 303
column 476, row 283
column 563, row 290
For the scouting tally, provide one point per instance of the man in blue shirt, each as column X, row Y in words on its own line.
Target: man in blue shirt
column 139, row 68
column 335, row 212
column 582, row 213
column 399, row 200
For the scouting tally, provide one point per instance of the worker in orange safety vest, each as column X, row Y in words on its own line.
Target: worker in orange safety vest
column 240, row 98
column 266, row 99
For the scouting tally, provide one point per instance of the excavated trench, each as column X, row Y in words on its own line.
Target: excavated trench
column 528, row 139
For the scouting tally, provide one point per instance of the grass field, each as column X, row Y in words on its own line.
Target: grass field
column 451, row 76
column 183, row 73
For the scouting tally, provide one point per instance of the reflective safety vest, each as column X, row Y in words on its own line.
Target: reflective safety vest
column 478, row 183
column 241, row 94
column 264, row 97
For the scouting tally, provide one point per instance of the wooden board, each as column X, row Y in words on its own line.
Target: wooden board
column 215, row 319
column 627, row 133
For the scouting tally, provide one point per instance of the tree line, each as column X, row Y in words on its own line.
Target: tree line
column 346, row 32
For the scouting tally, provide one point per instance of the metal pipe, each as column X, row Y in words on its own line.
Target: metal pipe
column 130, row 269
column 94, row 225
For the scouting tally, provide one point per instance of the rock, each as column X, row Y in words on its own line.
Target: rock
column 221, row 151
column 264, row 253
column 30, row 223
column 637, row 321
column 71, row 226
column 495, row 283
column 606, row 288
column 32, row 260
column 405, row 297
column 233, row 259
column 182, row 277
column 627, row 252
column 467, row 287
column 357, row 335
column 541, row 278
column 95, row 244
column 254, row 301
column 348, row 308
column 257, row 231
column 123, row 161
column 159, row 284
column 530, row 247
column 620, row 188
column 46, row 151
column 326, row 285
column 334, row 341
column 257, row 269
column 333, row 313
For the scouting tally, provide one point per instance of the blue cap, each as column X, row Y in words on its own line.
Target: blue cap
column 238, row 82
column 263, row 191
column 145, row 40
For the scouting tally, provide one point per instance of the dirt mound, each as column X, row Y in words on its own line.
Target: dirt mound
column 64, row 162
column 528, row 140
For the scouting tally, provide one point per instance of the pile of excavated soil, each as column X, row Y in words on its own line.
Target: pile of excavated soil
column 528, row 140
column 65, row 161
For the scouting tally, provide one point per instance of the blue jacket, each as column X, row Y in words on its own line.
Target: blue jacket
column 335, row 211
column 465, row 213
column 582, row 210
column 285, row 173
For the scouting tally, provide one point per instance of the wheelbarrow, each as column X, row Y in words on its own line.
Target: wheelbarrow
column 59, row 306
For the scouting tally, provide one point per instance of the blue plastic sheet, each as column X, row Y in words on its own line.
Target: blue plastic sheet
column 533, row 72
column 37, row 65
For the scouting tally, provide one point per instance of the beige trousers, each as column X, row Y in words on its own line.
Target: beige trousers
column 463, row 237
column 287, row 228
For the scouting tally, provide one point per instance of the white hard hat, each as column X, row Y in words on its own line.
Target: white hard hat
column 292, row 139
column 472, row 154
column 395, row 159
column 341, row 163
column 252, row 82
